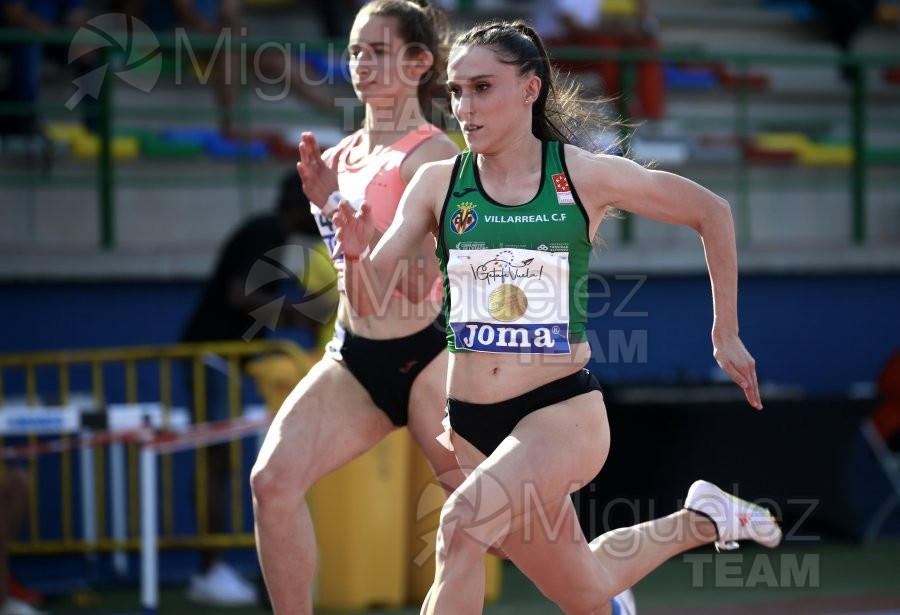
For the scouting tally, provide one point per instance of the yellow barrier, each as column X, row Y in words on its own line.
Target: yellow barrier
column 369, row 525
column 361, row 519
column 51, row 373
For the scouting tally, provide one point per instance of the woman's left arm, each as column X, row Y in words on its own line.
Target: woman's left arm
column 673, row 199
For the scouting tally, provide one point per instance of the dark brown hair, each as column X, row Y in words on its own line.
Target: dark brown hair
column 561, row 112
column 419, row 23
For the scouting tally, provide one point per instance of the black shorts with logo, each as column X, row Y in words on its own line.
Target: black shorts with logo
column 486, row 425
column 387, row 369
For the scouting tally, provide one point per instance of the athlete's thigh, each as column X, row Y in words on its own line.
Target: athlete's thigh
column 548, row 546
column 555, row 450
column 427, row 404
column 325, row 422
column 535, row 528
column 565, row 444
column 550, row 453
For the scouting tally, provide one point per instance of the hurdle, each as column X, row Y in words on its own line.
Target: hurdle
column 100, row 407
column 150, row 449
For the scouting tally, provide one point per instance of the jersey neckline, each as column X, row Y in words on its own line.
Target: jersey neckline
column 426, row 130
column 488, row 197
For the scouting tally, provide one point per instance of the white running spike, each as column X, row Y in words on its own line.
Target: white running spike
column 735, row 519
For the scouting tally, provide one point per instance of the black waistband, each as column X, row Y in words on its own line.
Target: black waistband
column 486, row 425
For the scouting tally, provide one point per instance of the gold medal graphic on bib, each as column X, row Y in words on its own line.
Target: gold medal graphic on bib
column 507, row 303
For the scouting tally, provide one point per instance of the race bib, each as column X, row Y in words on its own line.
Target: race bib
column 327, row 231
column 509, row 300
column 335, row 345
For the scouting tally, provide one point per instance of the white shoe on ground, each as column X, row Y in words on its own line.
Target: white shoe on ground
column 221, row 586
column 735, row 519
column 623, row 604
column 13, row 606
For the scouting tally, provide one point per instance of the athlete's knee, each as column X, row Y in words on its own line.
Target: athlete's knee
column 588, row 597
column 454, row 532
column 466, row 530
column 575, row 602
column 269, row 481
column 262, row 481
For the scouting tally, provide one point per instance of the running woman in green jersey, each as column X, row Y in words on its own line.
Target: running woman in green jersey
column 513, row 219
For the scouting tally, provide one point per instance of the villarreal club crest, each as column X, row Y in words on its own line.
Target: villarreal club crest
column 464, row 218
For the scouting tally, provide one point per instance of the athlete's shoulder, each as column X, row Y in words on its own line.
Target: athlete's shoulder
column 330, row 155
column 581, row 162
column 437, row 170
column 438, row 147
column 602, row 179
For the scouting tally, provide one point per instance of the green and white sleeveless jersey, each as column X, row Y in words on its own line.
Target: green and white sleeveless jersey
column 515, row 276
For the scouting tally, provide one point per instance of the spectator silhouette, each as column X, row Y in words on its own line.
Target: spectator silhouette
column 886, row 415
column 14, row 498
column 225, row 312
column 25, row 59
column 843, row 20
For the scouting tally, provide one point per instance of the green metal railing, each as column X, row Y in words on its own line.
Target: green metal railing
column 857, row 117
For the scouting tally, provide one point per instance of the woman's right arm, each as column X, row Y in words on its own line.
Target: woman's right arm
column 317, row 174
column 371, row 278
